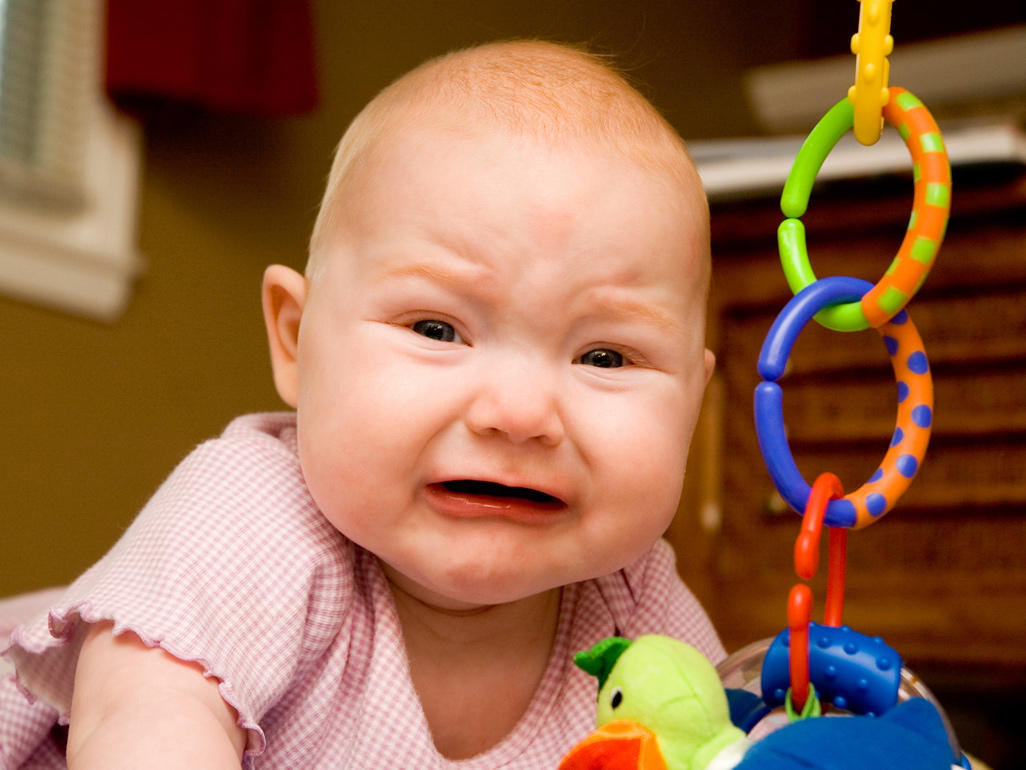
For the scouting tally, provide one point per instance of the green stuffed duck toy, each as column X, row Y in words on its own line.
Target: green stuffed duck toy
column 661, row 706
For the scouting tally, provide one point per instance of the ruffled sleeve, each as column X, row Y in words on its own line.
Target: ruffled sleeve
column 229, row 565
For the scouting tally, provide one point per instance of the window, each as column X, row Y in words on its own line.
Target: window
column 69, row 163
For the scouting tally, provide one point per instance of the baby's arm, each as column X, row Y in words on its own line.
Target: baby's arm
column 134, row 706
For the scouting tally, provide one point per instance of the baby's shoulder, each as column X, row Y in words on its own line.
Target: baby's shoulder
column 236, row 515
column 250, row 476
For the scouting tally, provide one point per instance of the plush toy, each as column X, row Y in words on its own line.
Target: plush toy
column 661, row 706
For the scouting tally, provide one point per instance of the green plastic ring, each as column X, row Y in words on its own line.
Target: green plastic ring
column 930, row 208
column 794, row 202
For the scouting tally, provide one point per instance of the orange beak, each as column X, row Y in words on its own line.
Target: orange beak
column 618, row 745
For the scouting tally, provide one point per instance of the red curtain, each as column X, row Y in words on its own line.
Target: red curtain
column 243, row 56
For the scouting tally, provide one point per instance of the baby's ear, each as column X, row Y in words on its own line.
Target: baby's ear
column 710, row 364
column 284, row 296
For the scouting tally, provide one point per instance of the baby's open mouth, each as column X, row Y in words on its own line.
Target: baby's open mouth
column 493, row 490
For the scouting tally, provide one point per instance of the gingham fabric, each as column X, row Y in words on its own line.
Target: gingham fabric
column 231, row 565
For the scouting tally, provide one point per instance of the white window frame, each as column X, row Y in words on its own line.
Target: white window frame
column 81, row 259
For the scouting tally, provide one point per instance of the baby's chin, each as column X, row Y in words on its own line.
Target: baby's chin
column 461, row 593
column 469, row 600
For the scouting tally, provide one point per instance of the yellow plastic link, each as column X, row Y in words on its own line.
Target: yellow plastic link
column 872, row 44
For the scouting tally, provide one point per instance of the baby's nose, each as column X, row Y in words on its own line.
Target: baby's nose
column 518, row 401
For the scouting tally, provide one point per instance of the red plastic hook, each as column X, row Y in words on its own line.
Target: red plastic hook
column 799, row 613
column 806, row 547
column 806, row 564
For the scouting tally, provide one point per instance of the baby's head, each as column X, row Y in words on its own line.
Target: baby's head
column 551, row 92
column 497, row 354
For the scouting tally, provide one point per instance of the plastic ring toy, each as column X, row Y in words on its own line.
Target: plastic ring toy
column 872, row 44
column 930, row 207
column 915, row 407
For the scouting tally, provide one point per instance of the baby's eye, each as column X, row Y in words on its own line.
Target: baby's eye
column 436, row 330
column 603, row 358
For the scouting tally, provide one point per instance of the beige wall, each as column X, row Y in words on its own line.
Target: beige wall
column 96, row 415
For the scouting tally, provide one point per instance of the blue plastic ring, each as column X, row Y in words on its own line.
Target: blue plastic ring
column 769, row 398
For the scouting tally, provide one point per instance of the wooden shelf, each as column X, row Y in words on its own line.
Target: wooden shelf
column 943, row 576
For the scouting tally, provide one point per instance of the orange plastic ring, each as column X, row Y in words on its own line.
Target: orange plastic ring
column 930, row 207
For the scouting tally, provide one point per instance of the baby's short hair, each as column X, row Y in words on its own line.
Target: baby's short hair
column 547, row 90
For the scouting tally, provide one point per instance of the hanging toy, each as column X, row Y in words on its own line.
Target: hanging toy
column 818, row 695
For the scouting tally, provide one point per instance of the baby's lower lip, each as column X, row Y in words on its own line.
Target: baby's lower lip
column 466, row 501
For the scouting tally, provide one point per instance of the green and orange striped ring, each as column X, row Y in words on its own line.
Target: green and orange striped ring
column 930, row 207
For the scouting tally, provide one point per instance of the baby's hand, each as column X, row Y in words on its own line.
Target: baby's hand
column 134, row 706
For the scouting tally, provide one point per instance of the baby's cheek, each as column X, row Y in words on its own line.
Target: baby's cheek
column 645, row 474
column 656, row 433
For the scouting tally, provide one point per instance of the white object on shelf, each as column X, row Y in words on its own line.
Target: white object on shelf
column 747, row 167
column 983, row 68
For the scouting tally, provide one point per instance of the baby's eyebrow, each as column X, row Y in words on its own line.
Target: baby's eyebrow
column 596, row 303
column 432, row 272
column 622, row 307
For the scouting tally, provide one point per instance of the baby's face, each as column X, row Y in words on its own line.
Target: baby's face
column 501, row 363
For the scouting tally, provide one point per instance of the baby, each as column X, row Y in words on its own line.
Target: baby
column 496, row 360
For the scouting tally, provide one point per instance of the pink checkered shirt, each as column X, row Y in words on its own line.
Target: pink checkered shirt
column 231, row 565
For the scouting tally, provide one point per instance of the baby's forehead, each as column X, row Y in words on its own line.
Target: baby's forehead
column 564, row 98
column 426, row 156
column 443, row 150
column 431, row 129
